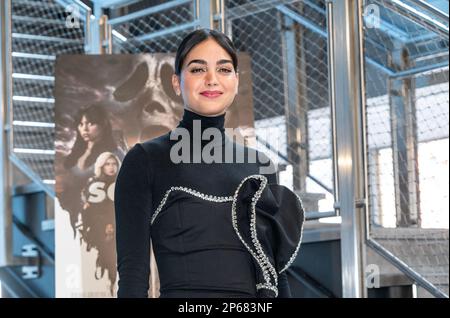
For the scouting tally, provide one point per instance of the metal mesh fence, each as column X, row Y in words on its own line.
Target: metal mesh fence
column 39, row 33
column 406, row 55
column 152, row 30
column 287, row 43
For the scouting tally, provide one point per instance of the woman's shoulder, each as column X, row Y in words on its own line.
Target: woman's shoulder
column 156, row 144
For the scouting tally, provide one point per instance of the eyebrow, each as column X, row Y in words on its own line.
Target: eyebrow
column 219, row 62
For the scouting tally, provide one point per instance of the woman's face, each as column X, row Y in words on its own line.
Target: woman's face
column 110, row 167
column 208, row 81
column 88, row 131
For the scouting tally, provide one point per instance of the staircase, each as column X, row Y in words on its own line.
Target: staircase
column 38, row 34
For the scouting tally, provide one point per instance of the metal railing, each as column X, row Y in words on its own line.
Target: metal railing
column 407, row 130
column 39, row 32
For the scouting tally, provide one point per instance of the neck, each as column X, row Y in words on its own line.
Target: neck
column 190, row 117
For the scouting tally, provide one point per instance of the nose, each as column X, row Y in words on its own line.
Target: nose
column 211, row 79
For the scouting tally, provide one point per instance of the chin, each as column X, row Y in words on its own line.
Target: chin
column 209, row 111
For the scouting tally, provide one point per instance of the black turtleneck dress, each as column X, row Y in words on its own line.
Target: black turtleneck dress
column 186, row 210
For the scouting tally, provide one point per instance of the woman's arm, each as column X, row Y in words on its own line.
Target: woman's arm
column 133, row 205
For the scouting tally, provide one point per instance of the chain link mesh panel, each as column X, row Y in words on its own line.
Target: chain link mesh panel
column 39, row 34
column 152, row 32
column 406, row 55
column 287, row 42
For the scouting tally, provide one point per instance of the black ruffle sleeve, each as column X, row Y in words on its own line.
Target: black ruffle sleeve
column 268, row 218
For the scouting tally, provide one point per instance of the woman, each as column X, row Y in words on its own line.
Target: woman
column 98, row 214
column 93, row 136
column 219, row 227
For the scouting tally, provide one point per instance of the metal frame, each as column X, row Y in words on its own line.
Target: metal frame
column 431, row 9
column 150, row 10
column 155, row 9
column 219, row 15
column 204, row 13
column 404, row 142
column 418, row 17
column 293, row 114
column 347, row 68
column 318, row 30
column 86, row 18
column 6, row 134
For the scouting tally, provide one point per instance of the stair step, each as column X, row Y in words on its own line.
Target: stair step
column 32, row 56
column 426, row 251
column 38, row 9
column 46, row 48
column 30, row 188
column 42, row 165
column 32, row 88
column 46, row 28
column 34, row 137
column 24, row 64
column 31, row 112
column 48, row 225
column 43, row 38
column 35, row 3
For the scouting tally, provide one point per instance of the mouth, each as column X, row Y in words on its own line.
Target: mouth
column 211, row 94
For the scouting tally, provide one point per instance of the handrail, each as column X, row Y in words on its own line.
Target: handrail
column 31, row 174
column 407, row 270
column 49, row 255
column 281, row 156
column 420, row 18
column 431, row 9
column 150, row 10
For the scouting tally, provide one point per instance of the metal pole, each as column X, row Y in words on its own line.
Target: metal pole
column 292, row 104
column 87, row 32
column 204, row 13
column 332, row 93
column 95, row 40
column 5, row 139
column 345, row 41
column 219, row 15
column 404, row 141
column 105, row 35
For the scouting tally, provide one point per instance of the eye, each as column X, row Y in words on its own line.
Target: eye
column 225, row 70
column 197, row 70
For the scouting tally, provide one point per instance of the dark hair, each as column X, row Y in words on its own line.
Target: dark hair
column 198, row 36
column 96, row 114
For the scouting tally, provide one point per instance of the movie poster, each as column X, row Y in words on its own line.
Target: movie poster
column 105, row 104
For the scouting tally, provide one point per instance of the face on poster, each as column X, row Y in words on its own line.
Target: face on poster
column 105, row 104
